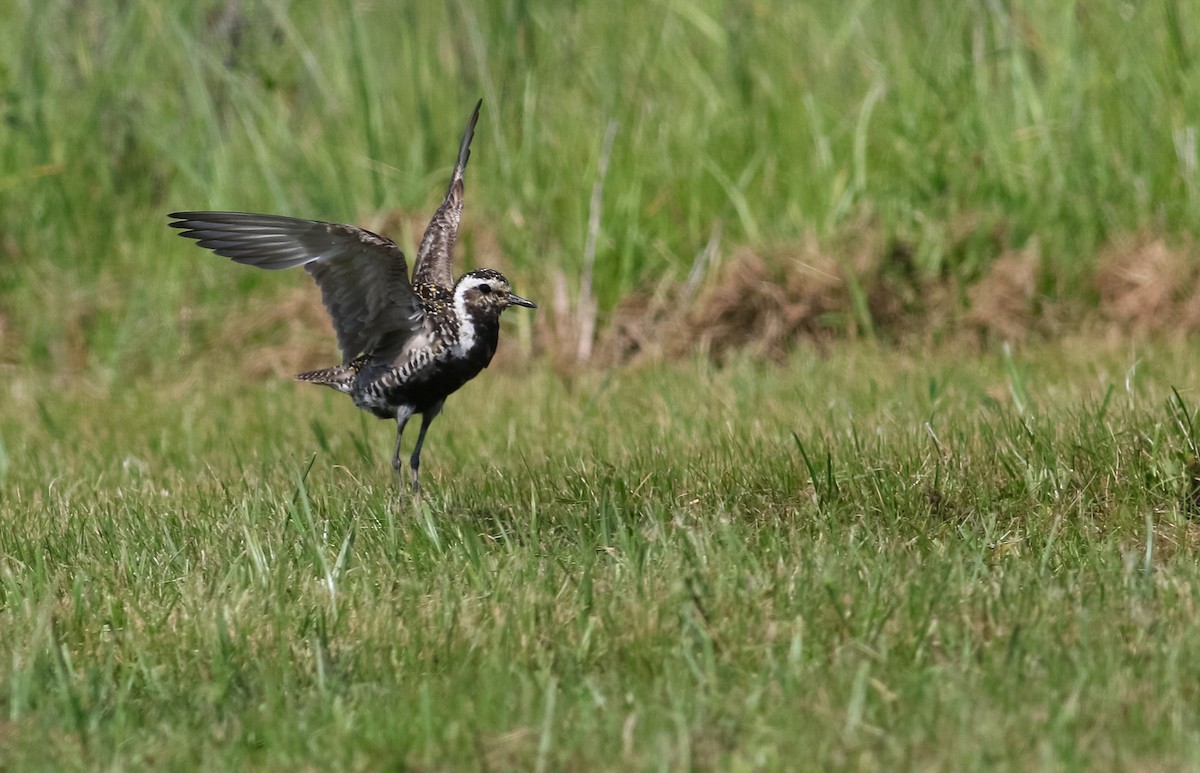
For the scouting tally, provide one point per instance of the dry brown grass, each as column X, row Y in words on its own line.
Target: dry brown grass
column 1148, row 286
column 1002, row 300
column 281, row 337
column 765, row 301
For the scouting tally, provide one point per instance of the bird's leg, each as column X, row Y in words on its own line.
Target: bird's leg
column 415, row 461
column 401, row 419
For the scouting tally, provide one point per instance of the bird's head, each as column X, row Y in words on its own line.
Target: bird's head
column 485, row 291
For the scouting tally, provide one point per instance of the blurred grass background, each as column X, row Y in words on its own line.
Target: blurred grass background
column 955, row 130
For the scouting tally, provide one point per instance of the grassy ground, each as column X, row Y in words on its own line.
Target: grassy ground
column 869, row 559
column 944, row 558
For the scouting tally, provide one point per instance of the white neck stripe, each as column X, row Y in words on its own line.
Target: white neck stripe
column 466, row 326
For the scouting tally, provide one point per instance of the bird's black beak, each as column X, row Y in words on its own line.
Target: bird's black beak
column 516, row 300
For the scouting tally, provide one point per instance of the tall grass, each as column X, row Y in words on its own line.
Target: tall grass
column 956, row 129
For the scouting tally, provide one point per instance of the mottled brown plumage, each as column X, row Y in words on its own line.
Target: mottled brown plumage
column 406, row 345
column 435, row 258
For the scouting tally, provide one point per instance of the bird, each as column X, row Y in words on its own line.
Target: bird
column 406, row 343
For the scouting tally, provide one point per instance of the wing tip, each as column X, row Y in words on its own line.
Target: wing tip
column 180, row 219
column 190, row 218
column 464, row 146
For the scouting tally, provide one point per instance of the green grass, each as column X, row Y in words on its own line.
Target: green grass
column 957, row 130
column 864, row 560
column 945, row 559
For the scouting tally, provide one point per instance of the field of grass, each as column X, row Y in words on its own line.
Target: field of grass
column 855, row 555
column 860, row 560
column 955, row 132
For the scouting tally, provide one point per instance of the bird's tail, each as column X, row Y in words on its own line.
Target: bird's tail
column 339, row 377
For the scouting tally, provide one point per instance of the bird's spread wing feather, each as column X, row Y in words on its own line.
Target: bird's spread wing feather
column 436, row 256
column 362, row 276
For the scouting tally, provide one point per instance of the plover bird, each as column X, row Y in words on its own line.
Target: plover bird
column 406, row 344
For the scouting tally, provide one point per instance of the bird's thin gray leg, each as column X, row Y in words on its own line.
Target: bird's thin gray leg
column 401, row 420
column 415, row 462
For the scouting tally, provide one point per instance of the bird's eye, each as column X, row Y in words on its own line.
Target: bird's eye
column 485, row 288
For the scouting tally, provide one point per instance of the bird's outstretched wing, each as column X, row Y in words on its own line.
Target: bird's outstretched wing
column 436, row 256
column 362, row 276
